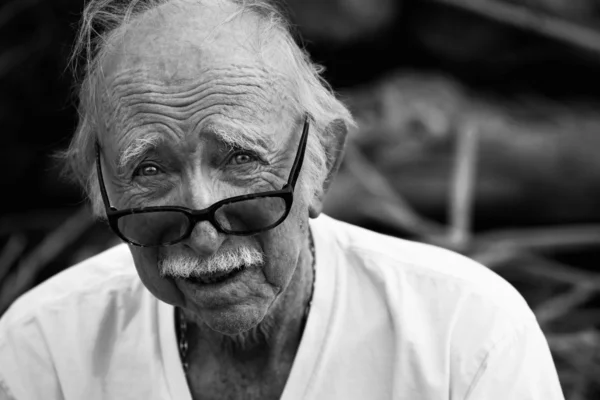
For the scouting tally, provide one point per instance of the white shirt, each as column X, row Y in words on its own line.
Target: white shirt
column 391, row 319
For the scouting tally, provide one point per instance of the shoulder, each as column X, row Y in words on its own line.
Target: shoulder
column 101, row 287
column 59, row 321
column 441, row 309
column 73, row 325
column 107, row 274
column 428, row 275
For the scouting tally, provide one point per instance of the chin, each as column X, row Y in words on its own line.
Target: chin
column 234, row 321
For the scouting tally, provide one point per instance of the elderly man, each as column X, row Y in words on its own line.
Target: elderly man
column 207, row 140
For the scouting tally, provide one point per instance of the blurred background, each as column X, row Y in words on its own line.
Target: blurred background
column 479, row 131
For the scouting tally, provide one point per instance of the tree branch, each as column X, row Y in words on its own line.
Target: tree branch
column 543, row 24
column 462, row 187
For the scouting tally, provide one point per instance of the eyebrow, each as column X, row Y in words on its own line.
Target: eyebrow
column 243, row 139
column 138, row 148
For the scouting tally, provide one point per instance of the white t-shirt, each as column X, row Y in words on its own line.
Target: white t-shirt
column 391, row 319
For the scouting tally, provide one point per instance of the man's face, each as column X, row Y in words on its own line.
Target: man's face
column 199, row 126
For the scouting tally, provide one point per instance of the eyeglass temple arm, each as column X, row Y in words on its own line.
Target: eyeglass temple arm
column 294, row 172
column 103, row 192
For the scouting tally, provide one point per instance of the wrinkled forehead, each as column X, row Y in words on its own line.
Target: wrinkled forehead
column 187, row 72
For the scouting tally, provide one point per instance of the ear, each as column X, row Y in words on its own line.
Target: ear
column 336, row 133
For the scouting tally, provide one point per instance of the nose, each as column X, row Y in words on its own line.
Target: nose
column 205, row 240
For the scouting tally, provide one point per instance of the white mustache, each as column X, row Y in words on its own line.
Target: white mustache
column 186, row 266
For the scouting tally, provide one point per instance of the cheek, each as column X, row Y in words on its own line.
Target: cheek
column 283, row 246
column 146, row 263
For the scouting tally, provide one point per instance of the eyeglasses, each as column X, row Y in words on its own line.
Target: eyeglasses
column 240, row 215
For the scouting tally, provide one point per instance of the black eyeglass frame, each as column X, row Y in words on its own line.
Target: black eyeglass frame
column 207, row 214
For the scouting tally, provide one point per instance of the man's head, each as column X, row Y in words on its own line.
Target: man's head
column 193, row 102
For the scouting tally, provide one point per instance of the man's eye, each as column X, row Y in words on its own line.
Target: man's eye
column 242, row 158
column 147, row 170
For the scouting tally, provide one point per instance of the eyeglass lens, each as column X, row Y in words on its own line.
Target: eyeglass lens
column 239, row 217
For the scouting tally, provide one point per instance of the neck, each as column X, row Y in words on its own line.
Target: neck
column 275, row 339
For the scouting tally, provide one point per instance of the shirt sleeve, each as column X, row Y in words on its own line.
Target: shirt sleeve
column 518, row 367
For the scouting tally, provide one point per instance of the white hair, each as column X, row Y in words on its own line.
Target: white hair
column 186, row 266
column 105, row 21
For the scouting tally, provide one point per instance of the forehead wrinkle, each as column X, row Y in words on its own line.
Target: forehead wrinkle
column 149, row 79
column 250, row 93
column 183, row 105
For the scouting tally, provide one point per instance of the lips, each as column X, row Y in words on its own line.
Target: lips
column 216, row 277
